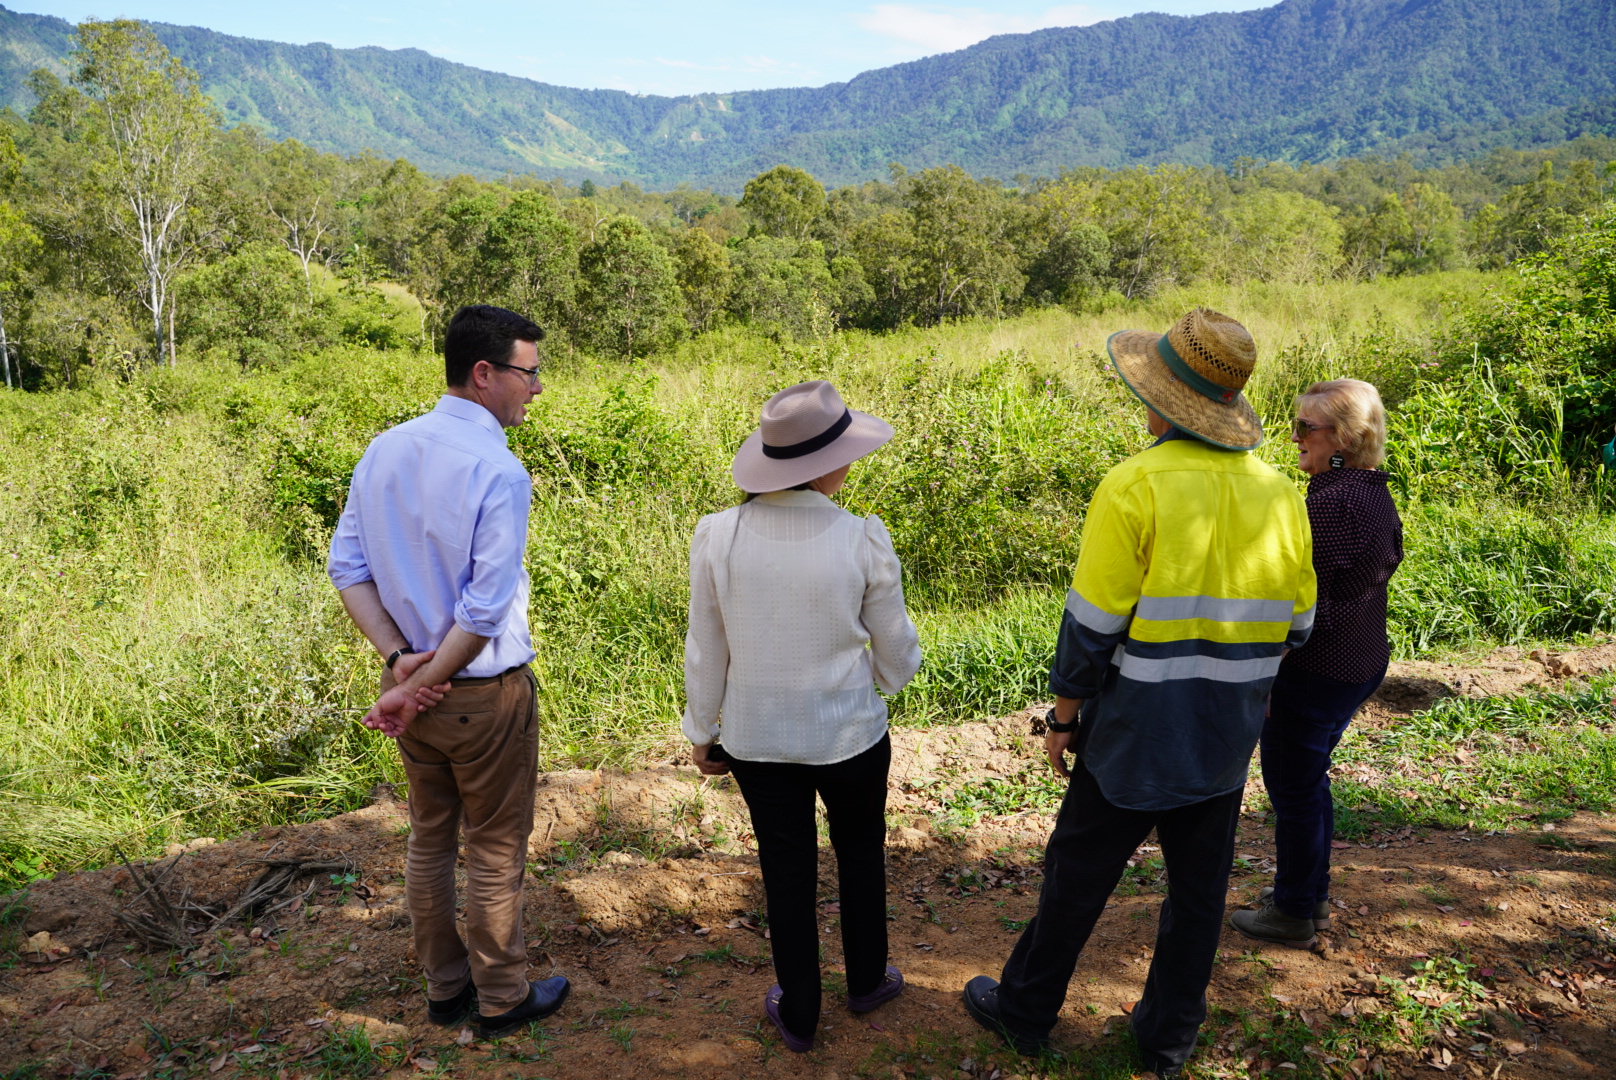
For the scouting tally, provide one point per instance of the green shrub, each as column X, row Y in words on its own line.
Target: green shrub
column 177, row 663
column 1481, row 573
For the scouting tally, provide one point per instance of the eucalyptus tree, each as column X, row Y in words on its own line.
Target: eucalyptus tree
column 966, row 260
column 784, row 201
column 1156, row 220
column 527, row 261
column 1279, row 236
column 302, row 196
column 706, row 276
column 628, row 290
column 393, row 211
column 19, row 246
column 444, row 263
column 156, row 128
column 1374, row 238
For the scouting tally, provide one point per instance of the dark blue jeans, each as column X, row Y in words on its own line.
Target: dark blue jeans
column 1306, row 718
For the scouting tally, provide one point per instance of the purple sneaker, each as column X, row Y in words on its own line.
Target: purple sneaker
column 891, row 986
column 771, row 1009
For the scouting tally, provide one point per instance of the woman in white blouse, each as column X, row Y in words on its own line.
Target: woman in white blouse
column 796, row 616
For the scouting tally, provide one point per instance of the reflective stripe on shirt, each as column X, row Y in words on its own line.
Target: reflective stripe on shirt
column 1194, row 576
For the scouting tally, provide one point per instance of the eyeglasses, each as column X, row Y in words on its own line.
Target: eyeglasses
column 1302, row 428
column 532, row 373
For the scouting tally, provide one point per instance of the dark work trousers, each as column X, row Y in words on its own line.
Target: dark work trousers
column 1307, row 715
column 1087, row 851
column 780, row 798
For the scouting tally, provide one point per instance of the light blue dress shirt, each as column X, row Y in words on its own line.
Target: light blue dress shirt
column 437, row 518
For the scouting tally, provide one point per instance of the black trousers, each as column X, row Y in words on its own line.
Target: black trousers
column 1088, row 849
column 780, row 798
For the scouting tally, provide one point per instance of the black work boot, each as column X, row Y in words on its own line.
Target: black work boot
column 981, row 996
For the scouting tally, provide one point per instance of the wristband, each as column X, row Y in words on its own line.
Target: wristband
column 391, row 660
column 1059, row 729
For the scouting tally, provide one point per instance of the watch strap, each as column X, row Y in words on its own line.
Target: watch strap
column 393, row 659
column 1059, row 729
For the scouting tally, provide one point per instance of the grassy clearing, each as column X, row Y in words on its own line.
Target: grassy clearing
column 1490, row 763
column 177, row 664
column 1477, row 763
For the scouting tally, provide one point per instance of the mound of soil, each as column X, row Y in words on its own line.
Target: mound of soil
column 644, row 890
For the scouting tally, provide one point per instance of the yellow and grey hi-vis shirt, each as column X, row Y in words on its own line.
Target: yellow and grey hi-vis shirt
column 1194, row 577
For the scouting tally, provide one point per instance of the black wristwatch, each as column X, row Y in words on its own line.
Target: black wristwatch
column 1059, row 729
column 393, row 659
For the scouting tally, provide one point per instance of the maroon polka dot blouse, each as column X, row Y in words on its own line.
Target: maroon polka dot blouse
column 1357, row 545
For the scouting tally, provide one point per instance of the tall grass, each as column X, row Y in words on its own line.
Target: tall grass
column 176, row 663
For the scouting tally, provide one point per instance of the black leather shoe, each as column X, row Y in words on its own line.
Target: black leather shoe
column 544, row 996
column 452, row 1010
column 981, row 998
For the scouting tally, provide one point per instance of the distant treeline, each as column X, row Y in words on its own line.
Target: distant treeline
column 135, row 228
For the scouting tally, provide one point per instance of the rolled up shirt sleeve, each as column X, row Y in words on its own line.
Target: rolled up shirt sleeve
column 1084, row 648
column 346, row 564
column 894, row 641
column 497, row 544
column 706, row 645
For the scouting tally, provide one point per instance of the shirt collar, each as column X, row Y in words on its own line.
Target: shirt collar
column 1174, row 433
column 462, row 409
column 1347, row 476
column 793, row 498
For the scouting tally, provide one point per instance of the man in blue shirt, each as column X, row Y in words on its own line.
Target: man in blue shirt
column 428, row 560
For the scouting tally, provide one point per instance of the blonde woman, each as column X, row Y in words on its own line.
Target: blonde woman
column 796, row 616
column 1340, row 437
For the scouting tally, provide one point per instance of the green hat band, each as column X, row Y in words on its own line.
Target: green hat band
column 1192, row 378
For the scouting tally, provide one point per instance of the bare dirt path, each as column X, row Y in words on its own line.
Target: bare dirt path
column 645, row 892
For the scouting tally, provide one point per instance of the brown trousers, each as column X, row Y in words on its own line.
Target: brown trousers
column 474, row 756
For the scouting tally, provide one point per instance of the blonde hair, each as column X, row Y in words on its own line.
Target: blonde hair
column 1353, row 408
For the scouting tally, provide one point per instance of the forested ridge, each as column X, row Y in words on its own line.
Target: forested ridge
column 1306, row 80
column 138, row 227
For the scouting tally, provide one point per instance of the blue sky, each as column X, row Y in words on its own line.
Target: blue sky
column 638, row 45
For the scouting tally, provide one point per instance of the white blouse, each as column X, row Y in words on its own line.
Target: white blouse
column 796, row 615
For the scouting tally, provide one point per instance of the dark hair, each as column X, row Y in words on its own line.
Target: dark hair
column 483, row 332
column 750, row 495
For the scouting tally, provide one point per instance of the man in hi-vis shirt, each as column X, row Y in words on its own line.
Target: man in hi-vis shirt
column 1195, row 574
column 428, row 560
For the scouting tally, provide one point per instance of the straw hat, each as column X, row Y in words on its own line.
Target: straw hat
column 1193, row 374
column 806, row 432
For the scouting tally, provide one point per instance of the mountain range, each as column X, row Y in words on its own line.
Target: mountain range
column 1303, row 80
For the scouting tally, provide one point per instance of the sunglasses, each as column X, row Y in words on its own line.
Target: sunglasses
column 1302, row 428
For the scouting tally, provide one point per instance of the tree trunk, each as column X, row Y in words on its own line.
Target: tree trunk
column 5, row 351
column 156, row 305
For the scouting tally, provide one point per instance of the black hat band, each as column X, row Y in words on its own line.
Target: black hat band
column 808, row 446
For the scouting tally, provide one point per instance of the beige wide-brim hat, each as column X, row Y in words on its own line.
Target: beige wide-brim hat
column 806, row 432
column 1193, row 376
